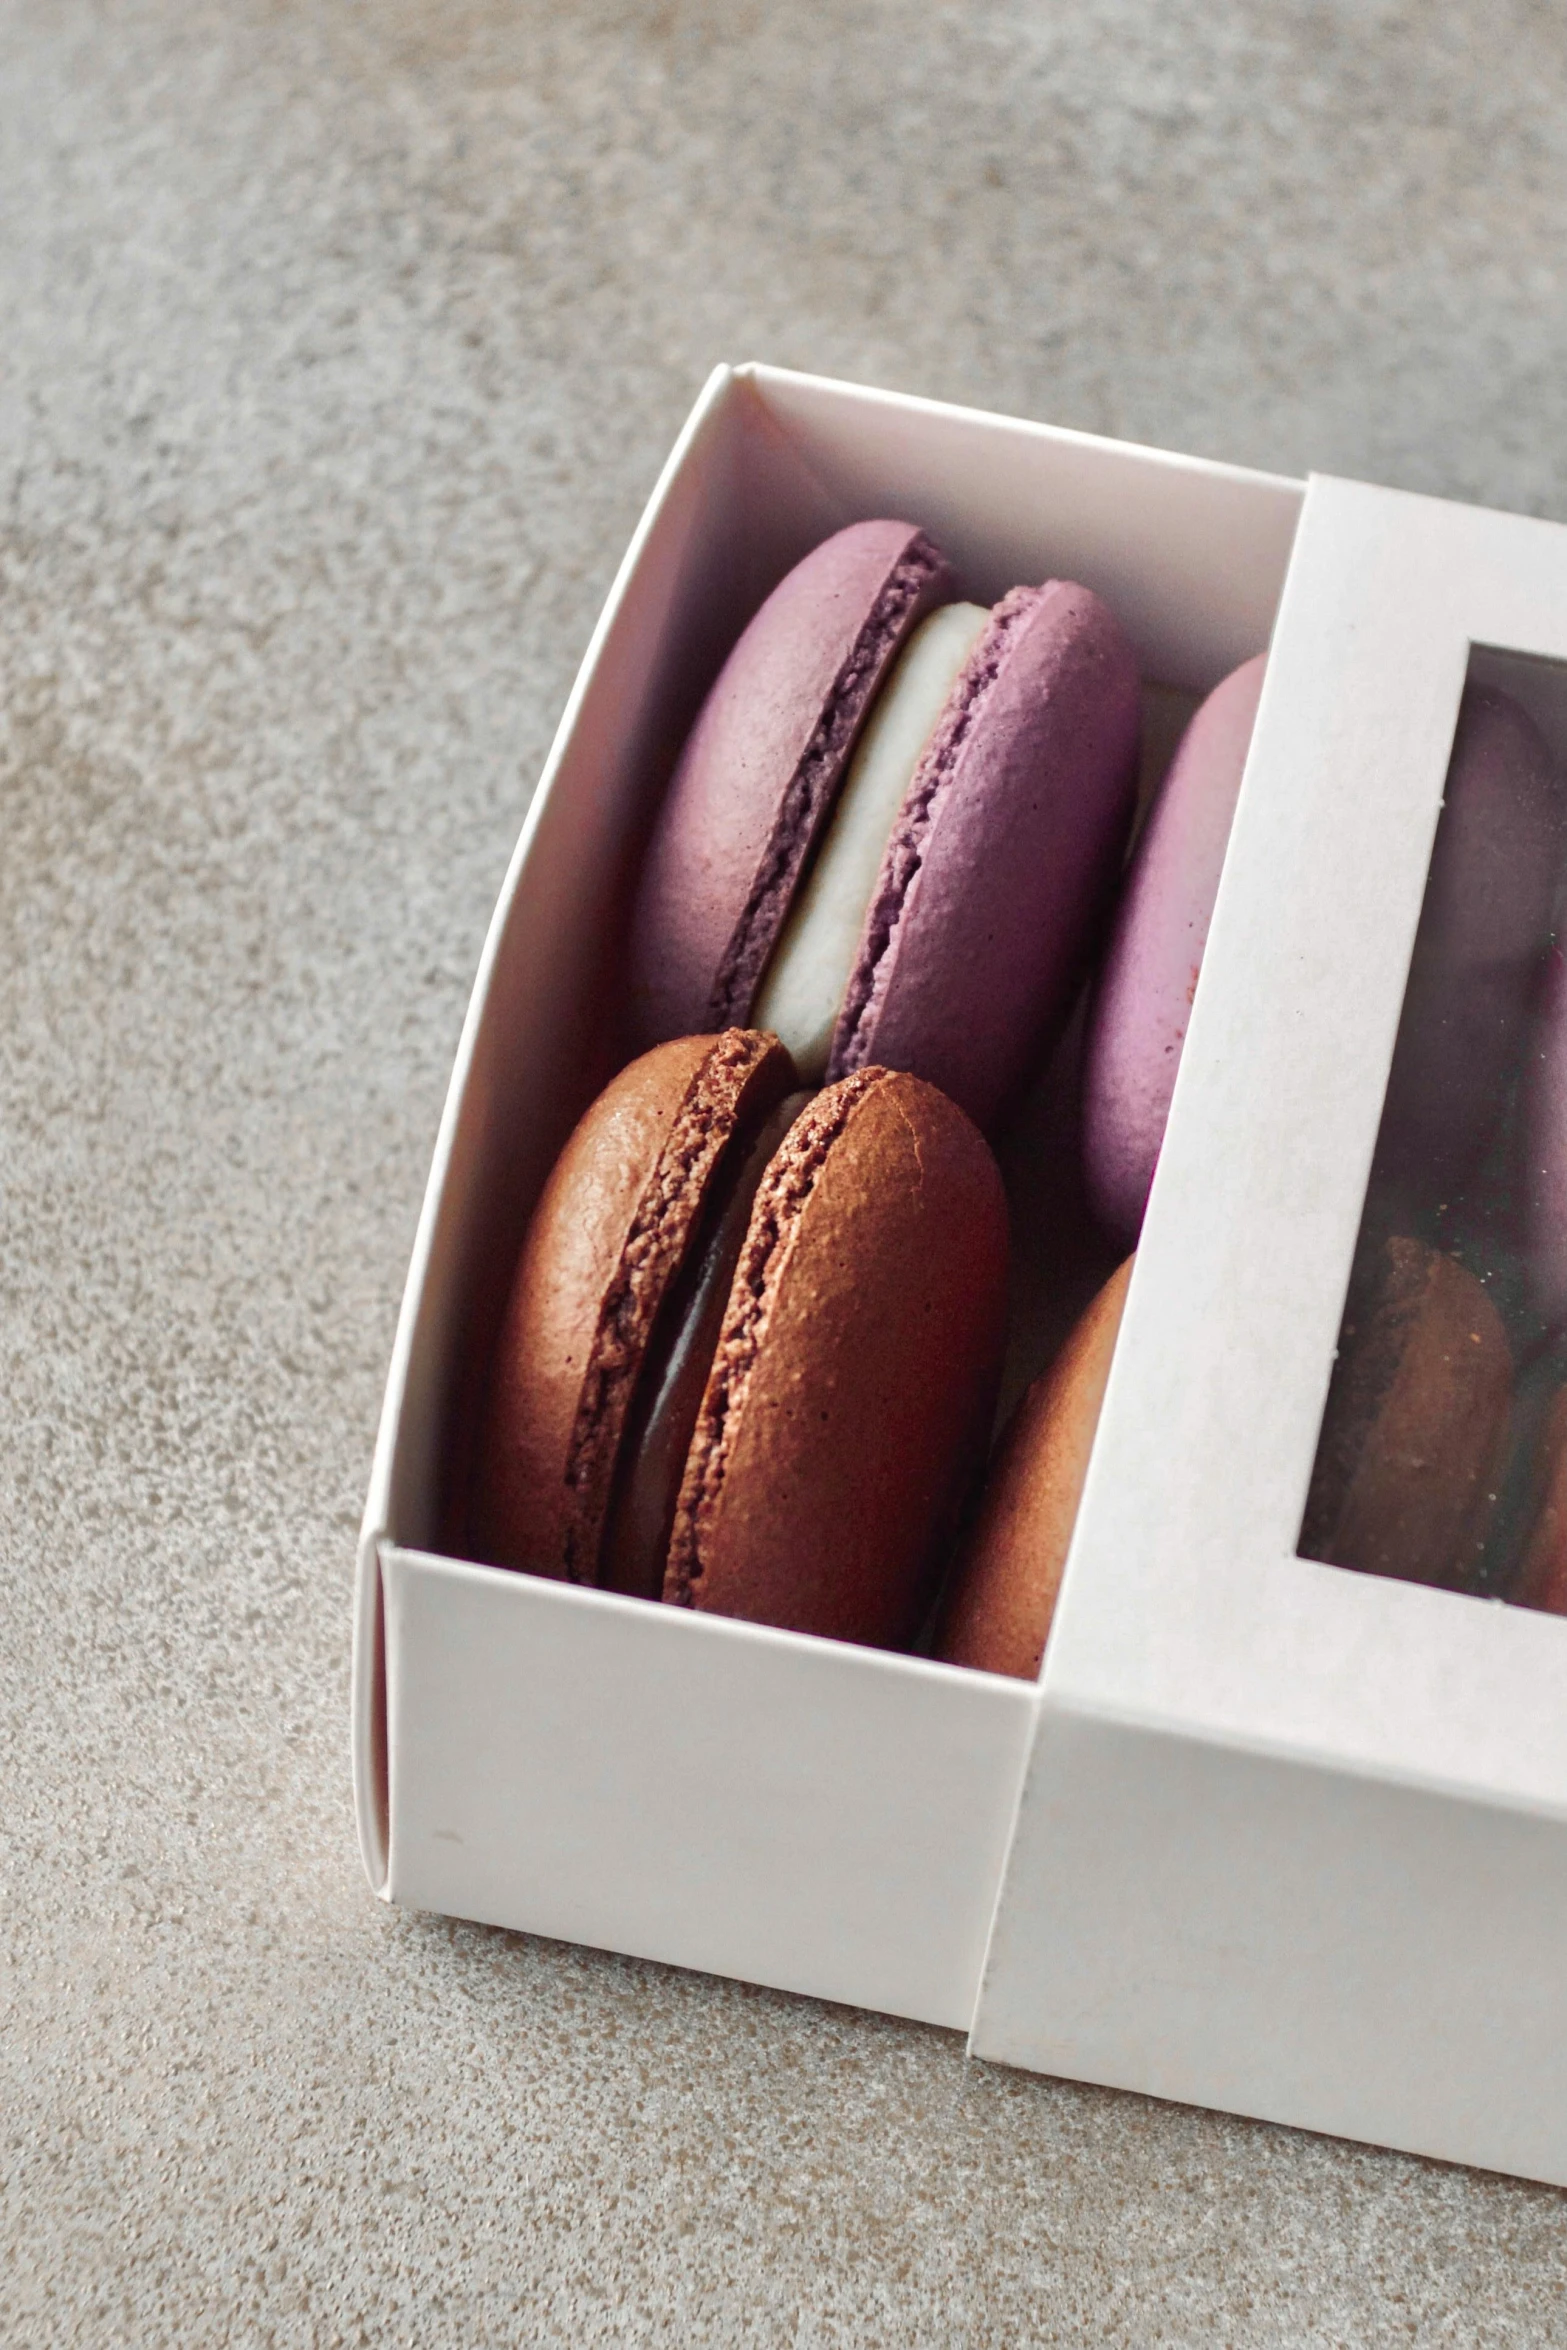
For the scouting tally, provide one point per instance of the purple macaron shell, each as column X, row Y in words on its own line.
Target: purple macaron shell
column 1542, row 1150
column 1005, row 853
column 760, row 770
column 1484, row 928
column 1143, row 1000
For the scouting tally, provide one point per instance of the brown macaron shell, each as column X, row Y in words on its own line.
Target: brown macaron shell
column 1002, row 1598
column 616, row 1219
column 856, row 1370
column 634, row 1546
column 1542, row 1578
column 1414, row 1438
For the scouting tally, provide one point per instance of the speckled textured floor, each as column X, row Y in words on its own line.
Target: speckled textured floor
column 339, row 346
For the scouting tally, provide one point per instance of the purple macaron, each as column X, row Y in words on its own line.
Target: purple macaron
column 1005, row 855
column 998, row 868
column 1542, row 1151
column 1474, row 976
column 760, row 770
column 1143, row 1000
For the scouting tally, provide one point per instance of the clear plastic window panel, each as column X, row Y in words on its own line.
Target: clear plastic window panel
column 1442, row 1457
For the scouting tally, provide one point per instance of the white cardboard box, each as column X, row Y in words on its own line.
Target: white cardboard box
column 1268, row 1835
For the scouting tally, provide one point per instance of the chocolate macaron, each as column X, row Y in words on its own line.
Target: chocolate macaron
column 629, row 1204
column 856, row 1370
column 1414, row 1438
column 930, row 902
column 1002, row 1597
column 752, row 1344
column 1541, row 1577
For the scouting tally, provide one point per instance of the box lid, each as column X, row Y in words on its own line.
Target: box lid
column 1258, row 1851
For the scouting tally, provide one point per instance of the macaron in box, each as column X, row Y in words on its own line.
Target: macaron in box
column 847, row 1818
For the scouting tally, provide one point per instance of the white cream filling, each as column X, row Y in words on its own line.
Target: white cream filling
column 808, row 972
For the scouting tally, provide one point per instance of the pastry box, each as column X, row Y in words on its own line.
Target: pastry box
column 1266, row 1835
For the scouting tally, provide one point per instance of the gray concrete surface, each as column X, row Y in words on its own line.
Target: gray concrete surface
column 339, row 345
